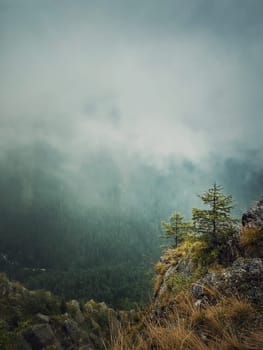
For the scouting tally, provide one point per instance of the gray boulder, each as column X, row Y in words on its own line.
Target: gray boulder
column 244, row 277
column 254, row 216
column 40, row 336
column 43, row 318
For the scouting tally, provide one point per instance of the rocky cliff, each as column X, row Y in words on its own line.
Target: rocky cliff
column 242, row 275
column 199, row 304
column 219, row 306
column 35, row 320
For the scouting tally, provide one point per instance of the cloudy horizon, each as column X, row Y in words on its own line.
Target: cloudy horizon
column 166, row 85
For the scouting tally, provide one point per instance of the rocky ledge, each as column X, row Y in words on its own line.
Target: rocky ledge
column 242, row 277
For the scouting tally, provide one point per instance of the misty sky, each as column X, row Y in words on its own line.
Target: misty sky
column 164, row 84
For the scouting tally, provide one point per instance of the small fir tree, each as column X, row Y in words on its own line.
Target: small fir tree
column 215, row 224
column 176, row 228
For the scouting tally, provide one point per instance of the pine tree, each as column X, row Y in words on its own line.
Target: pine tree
column 215, row 224
column 176, row 228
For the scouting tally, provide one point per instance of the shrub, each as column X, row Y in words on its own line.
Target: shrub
column 43, row 302
column 6, row 337
column 178, row 282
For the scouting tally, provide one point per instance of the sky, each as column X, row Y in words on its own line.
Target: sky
column 172, row 86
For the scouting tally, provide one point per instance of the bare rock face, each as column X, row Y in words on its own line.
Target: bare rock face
column 183, row 268
column 254, row 216
column 244, row 277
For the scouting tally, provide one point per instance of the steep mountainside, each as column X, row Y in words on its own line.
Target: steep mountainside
column 198, row 304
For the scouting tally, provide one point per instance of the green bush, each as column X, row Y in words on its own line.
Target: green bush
column 178, row 282
column 6, row 337
column 42, row 302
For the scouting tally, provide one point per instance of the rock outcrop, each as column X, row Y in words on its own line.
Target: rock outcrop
column 243, row 276
column 254, row 216
column 32, row 320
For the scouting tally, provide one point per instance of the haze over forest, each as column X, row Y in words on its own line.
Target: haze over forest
column 113, row 114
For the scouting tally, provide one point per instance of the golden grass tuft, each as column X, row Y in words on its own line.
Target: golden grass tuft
column 251, row 240
column 255, row 340
column 238, row 311
column 227, row 325
column 250, row 236
column 157, row 283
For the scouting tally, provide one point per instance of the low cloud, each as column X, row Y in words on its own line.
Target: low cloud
column 148, row 84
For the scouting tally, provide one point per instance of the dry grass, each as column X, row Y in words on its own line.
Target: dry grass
column 250, row 236
column 165, row 337
column 161, row 268
column 255, row 340
column 157, row 283
column 251, row 240
column 227, row 325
